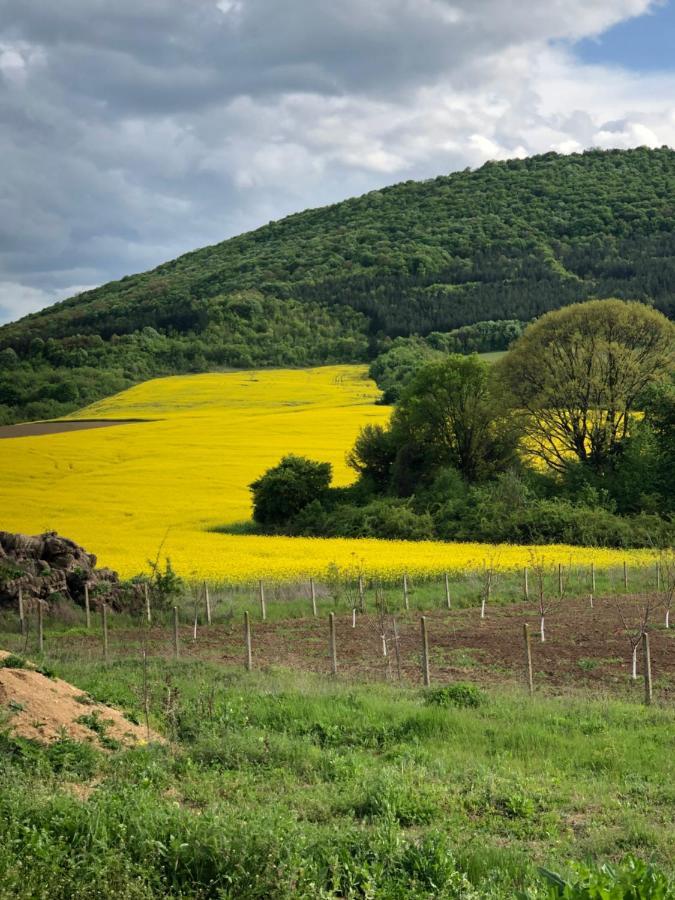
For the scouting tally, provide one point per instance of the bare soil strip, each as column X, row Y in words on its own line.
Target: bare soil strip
column 34, row 429
column 585, row 647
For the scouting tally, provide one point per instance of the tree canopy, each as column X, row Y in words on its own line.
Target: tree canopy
column 578, row 375
column 288, row 487
column 452, row 416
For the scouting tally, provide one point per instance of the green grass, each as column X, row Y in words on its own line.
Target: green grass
column 278, row 785
column 292, row 601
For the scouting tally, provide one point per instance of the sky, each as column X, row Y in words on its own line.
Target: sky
column 133, row 131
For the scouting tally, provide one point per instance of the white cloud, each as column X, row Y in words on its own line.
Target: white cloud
column 18, row 300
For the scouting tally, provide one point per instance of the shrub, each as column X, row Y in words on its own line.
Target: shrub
column 458, row 694
column 287, row 488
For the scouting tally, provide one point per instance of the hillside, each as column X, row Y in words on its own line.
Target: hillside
column 508, row 241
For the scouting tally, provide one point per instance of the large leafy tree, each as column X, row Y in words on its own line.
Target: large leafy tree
column 578, row 374
column 450, row 415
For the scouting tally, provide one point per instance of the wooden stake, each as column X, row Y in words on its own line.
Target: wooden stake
column 354, row 618
column 447, row 592
column 194, row 627
column 528, row 658
column 87, row 606
column 591, row 599
column 647, row 662
column 176, row 648
column 658, row 577
column 104, row 624
column 425, row 652
column 263, row 607
column 207, row 599
column 332, row 645
column 362, row 599
column 21, row 615
column 593, row 577
column 247, row 641
column 625, row 576
column 146, row 695
column 41, row 638
column 526, row 584
column 406, row 601
column 560, row 580
column 312, row 592
column 396, row 648
column 148, row 613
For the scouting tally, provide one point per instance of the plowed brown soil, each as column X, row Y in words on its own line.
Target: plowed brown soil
column 583, row 646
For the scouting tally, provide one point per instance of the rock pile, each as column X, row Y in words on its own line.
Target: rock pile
column 48, row 566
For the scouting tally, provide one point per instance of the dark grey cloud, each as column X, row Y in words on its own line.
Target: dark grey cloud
column 133, row 131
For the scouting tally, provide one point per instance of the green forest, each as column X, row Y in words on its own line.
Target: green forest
column 508, row 241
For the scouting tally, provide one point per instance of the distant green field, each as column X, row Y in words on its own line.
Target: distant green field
column 492, row 357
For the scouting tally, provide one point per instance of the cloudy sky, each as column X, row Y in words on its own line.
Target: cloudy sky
column 134, row 130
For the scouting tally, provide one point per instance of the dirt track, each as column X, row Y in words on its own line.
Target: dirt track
column 33, row 429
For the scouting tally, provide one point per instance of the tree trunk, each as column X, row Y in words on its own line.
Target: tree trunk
column 543, row 632
column 634, row 671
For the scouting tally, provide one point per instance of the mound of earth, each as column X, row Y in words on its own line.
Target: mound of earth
column 45, row 709
column 47, row 565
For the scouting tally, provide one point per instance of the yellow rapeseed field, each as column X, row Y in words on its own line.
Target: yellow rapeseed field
column 124, row 490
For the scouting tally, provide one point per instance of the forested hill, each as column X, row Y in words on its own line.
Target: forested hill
column 507, row 241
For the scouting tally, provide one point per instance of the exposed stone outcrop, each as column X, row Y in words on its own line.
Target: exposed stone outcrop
column 46, row 566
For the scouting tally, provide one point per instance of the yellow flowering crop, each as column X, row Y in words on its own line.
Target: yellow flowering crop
column 123, row 490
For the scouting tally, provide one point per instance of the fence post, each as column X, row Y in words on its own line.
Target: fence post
column 312, row 592
column 104, row 623
column 528, row 658
column 396, row 648
column 406, row 601
column 148, row 613
column 625, row 576
column 425, row 652
column 41, row 637
column 263, row 607
column 87, row 605
column 526, row 584
column 247, row 641
column 207, row 600
column 447, row 592
column 176, row 648
column 647, row 663
column 332, row 644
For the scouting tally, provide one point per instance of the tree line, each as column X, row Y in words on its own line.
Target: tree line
column 569, row 437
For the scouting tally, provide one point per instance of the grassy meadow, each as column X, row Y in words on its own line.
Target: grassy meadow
column 279, row 785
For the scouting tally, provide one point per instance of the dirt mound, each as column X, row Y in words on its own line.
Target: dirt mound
column 45, row 709
column 48, row 565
